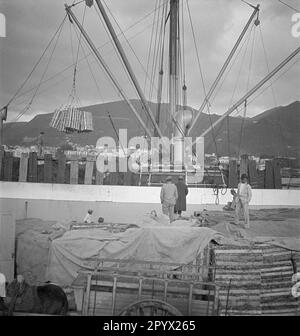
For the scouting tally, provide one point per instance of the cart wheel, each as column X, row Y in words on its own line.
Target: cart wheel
column 150, row 307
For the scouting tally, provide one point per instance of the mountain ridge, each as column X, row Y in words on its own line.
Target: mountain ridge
column 273, row 132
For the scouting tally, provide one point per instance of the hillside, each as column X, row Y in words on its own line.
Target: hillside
column 273, row 132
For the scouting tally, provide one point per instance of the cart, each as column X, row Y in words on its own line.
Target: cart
column 143, row 288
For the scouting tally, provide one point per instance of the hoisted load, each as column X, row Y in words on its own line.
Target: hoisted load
column 71, row 119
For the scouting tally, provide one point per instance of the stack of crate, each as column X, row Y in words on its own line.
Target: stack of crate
column 277, row 272
column 256, row 279
column 238, row 273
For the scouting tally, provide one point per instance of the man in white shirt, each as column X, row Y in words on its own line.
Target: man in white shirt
column 244, row 195
column 3, row 306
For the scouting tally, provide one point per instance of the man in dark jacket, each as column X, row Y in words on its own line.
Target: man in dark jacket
column 182, row 190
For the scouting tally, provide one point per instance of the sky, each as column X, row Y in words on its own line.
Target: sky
column 216, row 25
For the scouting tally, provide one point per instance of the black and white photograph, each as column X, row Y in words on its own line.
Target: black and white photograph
column 149, row 161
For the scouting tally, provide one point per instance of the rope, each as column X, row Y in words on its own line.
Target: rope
column 90, row 69
column 217, row 190
column 202, row 79
column 91, row 54
column 293, row 8
column 283, row 143
column 43, row 75
column 195, row 44
column 161, row 52
column 73, row 94
column 149, row 51
column 148, row 61
column 155, row 57
column 258, row 95
column 126, row 39
column 37, row 63
column 241, row 66
column 118, row 55
column 242, row 127
column 247, row 88
column 228, row 136
column 183, row 44
column 229, row 69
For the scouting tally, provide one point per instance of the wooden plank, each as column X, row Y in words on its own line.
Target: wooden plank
column 74, row 172
column 269, row 176
column 244, row 165
column 8, row 166
column 252, row 173
column 1, row 162
column 233, row 175
column 99, row 177
column 127, row 178
column 61, row 170
column 89, row 168
column 23, row 170
column 32, row 167
column 277, row 174
column 48, row 168
column 113, row 178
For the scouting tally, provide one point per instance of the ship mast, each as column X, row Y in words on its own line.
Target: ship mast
column 175, row 128
column 173, row 61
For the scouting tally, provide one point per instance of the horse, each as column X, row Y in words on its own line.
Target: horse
column 47, row 299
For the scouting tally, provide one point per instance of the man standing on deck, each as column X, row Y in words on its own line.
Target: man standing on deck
column 182, row 190
column 168, row 198
column 244, row 195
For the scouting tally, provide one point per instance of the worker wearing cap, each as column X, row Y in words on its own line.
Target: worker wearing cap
column 168, row 198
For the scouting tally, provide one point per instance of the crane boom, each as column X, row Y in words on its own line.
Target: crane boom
column 252, row 91
column 223, row 69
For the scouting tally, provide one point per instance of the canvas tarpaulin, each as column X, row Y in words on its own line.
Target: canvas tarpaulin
column 285, row 234
column 176, row 244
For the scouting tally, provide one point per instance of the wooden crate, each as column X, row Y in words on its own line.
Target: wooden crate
column 256, row 280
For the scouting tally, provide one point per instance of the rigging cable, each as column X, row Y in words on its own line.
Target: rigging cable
column 247, row 88
column 201, row 74
column 90, row 69
column 152, row 75
column 73, row 95
column 126, row 39
column 90, row 53
column 221, row 85
column 283, row 143
column 156, row 50
column 122, row 63
column 161, row 52
column 150, row 49
column 204, row 89
column 37, row 63
column 293, row 8
column 98, row 89
column 27, row 107
column 267, row 87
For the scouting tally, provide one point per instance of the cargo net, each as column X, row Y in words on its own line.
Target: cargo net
column 72, row 119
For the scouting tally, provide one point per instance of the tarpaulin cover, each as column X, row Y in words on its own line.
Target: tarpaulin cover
column 177, row 243
column 285, row 234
